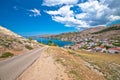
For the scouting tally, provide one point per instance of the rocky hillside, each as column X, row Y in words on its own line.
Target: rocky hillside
column 11, row 42
column 97, row 32
column 112, row 32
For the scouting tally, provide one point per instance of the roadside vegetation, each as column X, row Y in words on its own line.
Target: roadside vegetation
column 28, row 47
column 6, row 54
column 107, row 64
column 51, row 43
column 30, row 38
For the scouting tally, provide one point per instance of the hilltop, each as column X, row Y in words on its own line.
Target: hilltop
column 14, row 43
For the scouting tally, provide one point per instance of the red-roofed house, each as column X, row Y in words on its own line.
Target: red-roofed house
column 114, row 50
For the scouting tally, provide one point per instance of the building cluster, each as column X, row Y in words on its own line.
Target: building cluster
column 96, row 45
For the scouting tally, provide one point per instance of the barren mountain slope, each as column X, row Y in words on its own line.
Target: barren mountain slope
column 11, row 42
column 97, row 32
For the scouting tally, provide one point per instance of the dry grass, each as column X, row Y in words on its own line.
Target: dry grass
column 75, row 66
column 109, row 64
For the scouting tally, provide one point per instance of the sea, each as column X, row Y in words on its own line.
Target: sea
column 60, row 43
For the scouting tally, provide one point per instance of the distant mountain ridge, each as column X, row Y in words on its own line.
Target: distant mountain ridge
column 111, row 28
column 100, row 32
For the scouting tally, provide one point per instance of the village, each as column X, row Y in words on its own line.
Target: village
column 95, row 45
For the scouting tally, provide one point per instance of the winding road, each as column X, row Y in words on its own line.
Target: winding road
column 13, row 67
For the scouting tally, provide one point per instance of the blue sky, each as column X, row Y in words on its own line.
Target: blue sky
column 36, row 17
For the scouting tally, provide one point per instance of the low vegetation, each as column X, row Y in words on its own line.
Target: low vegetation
column 71, row 52
column 28, row 47
column 74, row 65
column 83, row 65
column 30, row 38
column 115, row 38
column 109, row 64
column 116, row 44
column 6, row 54
column 51, row 43
column 108, row 29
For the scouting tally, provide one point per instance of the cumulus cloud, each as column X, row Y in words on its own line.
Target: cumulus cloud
column 34, row 12
column 113, row 17
column 94, row 13
column 70, row 21
column 91, row 12
column 66, row 16
column 63, row 11
column 114, row 5
column 59, row 2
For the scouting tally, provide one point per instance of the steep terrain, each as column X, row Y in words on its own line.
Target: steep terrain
column 11, row 42
column 112, row 32
column 97, row 32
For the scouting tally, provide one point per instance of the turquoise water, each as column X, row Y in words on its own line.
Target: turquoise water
column 58, row 42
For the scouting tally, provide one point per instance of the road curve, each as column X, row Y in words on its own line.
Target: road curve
column 11, row 68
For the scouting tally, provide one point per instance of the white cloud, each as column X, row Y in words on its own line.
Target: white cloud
column 69, row 21
column 93, row 12
column 34, row 12
column 114, row 5
column 113, row 18
column 81, row 16
column 31, row 12
column 63, row 11
column 66, row 16
column 59, row 2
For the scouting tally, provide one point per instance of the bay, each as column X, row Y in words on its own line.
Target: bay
column 58, row 42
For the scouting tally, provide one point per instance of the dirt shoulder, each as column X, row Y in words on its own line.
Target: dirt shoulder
column 45, row 68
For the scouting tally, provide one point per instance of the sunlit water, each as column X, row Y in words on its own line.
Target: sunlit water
column 58, row 42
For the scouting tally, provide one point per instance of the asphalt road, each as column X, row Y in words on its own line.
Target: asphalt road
column 13, row 67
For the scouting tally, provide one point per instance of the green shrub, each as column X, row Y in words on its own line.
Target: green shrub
column 7, row 54
column 30, row 38
column 99, row 43
column 51, row 43
column 73, row 72
column 70, row 52
column 116, row 44
column 84, row 47
column 107, row 47
column 20, row 42
column 28, row 47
